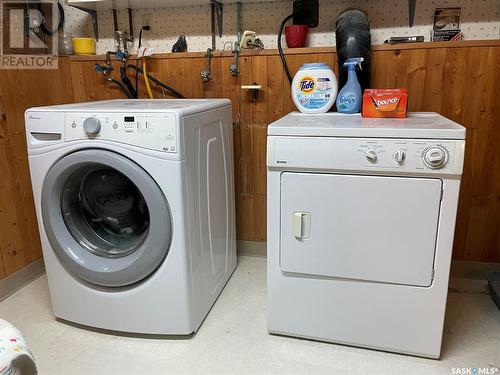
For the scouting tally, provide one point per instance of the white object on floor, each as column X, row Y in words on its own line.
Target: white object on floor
column 15, row 355
column 361, row 218
column 233, row 339
column 135, row 204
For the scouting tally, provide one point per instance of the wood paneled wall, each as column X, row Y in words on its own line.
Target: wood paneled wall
column 463, row 84
column 19, row 90
column 460, row 81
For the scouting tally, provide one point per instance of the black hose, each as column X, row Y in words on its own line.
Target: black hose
column 280, row 49
column 43, row 24
column 126, row 81
column 137, row 79
column 122, row 87
column 137, row 62
column 158, row 82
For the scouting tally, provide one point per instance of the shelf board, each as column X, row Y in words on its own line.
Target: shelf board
column 148, row 4
column 311, row 50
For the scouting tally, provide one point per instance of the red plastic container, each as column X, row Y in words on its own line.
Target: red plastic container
column 296, row 35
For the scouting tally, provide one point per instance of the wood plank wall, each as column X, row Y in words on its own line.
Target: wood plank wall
column 460, row 81
column 19, row 90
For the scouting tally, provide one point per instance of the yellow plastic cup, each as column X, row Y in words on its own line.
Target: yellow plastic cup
column 84, row 46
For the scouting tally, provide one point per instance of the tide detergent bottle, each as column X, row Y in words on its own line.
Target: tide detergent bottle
column 350, row 97
column 314, row 88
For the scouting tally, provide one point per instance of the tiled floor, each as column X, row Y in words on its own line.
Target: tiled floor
column 233, row 339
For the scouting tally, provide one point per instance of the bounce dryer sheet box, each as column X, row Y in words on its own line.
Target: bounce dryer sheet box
column 385, row 103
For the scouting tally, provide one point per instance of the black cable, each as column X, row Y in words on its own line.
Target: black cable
column 122, row 87
column 158, row 82
column 280, row 49
column 43, row 25
column 137, row 62
column 126, row 81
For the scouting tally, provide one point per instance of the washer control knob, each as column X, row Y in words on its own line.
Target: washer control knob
column 435, row 157
column 399, row 156
column 91, row 125
column 371, row 155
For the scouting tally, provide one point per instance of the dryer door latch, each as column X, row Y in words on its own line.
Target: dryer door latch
column 301, row 225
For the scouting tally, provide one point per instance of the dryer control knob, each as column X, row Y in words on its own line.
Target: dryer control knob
column 91, row 125
column 399, row 156
column 371, row 155
column 435, row 157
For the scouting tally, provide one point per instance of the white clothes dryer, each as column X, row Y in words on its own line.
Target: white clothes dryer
column 361, row 218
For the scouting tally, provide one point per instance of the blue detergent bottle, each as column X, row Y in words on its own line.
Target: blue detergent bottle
column 350, row 97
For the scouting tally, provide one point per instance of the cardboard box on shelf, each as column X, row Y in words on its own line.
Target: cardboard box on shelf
column 446, row 25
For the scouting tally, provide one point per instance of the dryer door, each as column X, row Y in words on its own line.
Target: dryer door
column 105, row 217
column 370, row 228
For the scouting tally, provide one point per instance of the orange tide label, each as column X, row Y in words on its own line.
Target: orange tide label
column 307, row 84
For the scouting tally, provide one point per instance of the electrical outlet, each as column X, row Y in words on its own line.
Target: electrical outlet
column 147, row 19
column 306, row 12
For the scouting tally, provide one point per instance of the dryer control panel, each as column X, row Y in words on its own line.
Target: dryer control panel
column 421, row 156
column 155, row 131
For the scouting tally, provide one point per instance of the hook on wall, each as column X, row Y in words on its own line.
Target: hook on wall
column 253, row 89
column 217, row 14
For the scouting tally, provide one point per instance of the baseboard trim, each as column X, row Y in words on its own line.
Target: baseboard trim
column 459, row 269
column 21, row 278
column 252, row 248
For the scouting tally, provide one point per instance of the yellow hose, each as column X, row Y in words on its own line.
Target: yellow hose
column 146, row 80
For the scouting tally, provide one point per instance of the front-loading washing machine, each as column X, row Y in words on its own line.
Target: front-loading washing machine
column 361, row 218
column 135, row 206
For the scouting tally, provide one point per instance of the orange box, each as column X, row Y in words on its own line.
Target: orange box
column 385, row 103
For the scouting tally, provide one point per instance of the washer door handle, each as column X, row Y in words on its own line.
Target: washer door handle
column 301, row 225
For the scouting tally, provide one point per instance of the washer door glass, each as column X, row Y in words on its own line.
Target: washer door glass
column 104, row 211
column 105, row 217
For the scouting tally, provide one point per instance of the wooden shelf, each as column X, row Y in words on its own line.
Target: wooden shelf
column 427, row 45
column 309, row 50
column 148, row 4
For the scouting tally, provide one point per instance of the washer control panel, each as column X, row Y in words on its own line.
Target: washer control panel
column 155, row 131
column 375, row 154
column 92, row 125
